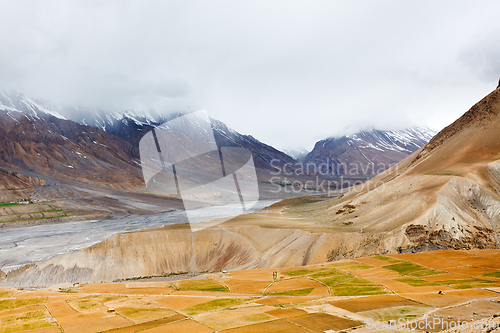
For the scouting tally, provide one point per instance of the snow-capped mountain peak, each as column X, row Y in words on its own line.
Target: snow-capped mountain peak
column 373, row 147
column 17, row 102
column 130, row 125
column 404, row 140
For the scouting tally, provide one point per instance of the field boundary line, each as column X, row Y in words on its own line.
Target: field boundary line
column 57, row 322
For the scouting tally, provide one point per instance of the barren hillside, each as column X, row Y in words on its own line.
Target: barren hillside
column 445, row 196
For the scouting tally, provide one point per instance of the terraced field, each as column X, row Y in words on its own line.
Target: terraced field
column 22, row 212
column 414, row 288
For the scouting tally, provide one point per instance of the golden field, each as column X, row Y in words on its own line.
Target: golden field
column 329, row 296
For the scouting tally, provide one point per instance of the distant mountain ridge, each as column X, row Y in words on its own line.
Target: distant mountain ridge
column 375, row 147
column 445, row 196
column 130, row 126
column 37, row 139
column 17, row 102
column 379, row 148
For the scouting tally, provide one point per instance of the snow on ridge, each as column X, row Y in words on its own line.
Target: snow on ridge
column 8, row 108
column 103, row 119
column 400, row 140
column 410, row 135
column 25, row 104
column 45, row 108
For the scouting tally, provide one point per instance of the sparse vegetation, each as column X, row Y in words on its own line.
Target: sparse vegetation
column 331, row 277
column 43, row 217
column 417, row 282
column 352, row 266
column 38, row 314
column 86, row 304
column 470, row 283
column 330, row 273
column 20, row 302
column 8, row 204
column 300, row 272
column 330, row 281
column 6, row 293
column 409, row 268
column 108, row 298
column 214, row 305
column 390, row 260
column 296, row 292
column 220, row 311
column 135, row 278
column 24, row 321
column 258, row 317
column 356, row 287
column 395, row 313
column 141, row 314
column 493, row 274
column 201, row 285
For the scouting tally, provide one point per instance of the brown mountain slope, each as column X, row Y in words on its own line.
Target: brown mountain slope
column 14, row 185
column 483, row 117
column 380, row 149
column 447, row 195
column 63, row 148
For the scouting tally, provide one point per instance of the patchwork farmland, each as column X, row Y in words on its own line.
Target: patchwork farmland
column 346, row 295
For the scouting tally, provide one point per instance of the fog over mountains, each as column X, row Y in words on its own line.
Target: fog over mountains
column 375, row 148
column 129, row 125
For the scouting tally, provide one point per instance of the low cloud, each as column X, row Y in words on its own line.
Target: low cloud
column 288, row 72
column 483, row 58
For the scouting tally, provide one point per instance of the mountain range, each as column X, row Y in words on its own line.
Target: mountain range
column 446, row 195
column 130, row 126
column 36, row 140
column 367, row 153
column 101, row 147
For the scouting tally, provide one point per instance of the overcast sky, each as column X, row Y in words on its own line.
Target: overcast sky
column 287, row 72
